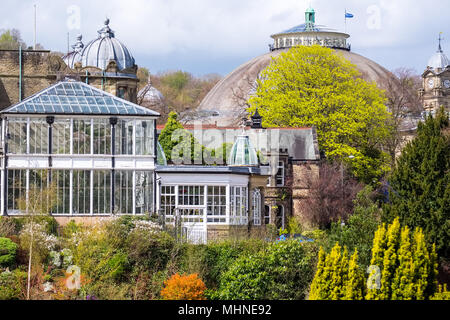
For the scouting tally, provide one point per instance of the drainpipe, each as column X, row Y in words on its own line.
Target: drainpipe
column 113, row 122
column 5, row 170
column 20, row 73
column 50, row 121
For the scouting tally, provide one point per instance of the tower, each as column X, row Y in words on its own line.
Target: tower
column 435, row 90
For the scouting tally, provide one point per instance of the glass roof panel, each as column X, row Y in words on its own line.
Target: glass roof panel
column 77, row 98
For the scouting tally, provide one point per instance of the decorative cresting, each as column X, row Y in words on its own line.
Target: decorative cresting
column 439, row 60
column 99, row 52
column 243, row 153
column 75, row 56
column 309, row 33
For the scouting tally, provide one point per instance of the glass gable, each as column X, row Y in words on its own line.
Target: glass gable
column 73, row 97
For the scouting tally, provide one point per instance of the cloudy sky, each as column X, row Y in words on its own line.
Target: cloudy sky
column 212, row 36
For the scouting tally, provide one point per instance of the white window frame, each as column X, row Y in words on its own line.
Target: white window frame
column 256, row 208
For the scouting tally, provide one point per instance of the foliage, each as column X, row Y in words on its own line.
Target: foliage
column 408, row 268
column 441, row 294
column 283, row 271
column 12, row 284
column 8, row 226
column 338, row 277
column 8, row 250
column 419, row 187
column 11, row 40
column 330, row 197
column 188, row 287
column 358, row 231
column 314, row 87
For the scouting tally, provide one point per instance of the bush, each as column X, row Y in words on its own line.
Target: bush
column 283, row 271
column 188, row 287
column 12, row 284
column 358, row 232
column 8, row 227
column 8, row 251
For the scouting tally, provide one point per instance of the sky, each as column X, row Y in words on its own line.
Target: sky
column 212, row 36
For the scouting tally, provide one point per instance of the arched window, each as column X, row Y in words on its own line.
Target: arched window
column 256, row 207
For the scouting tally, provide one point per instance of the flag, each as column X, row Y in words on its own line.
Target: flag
column 348, row 15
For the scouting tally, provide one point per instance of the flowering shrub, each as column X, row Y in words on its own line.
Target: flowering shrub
column 43, row 242
column 188, row 287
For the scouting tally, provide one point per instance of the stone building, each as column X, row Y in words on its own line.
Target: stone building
column 104, row 63
column 435, row 90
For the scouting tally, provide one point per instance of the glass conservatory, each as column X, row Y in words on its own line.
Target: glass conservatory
column 98, row 150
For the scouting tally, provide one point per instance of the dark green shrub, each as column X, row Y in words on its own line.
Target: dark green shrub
column 117, row 266
column 8, row 251
column 283, row 271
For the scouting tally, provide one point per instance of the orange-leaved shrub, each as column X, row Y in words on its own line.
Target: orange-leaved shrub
column 184, row 287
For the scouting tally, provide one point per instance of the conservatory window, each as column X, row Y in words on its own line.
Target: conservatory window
column 144, row 138
column 61, row 178
column 81, row 192
column 102, row 192
column 124, row 137
column 81, row 136
column 144, row 192
column 38, row 181
column 238, row 204
column 17, row 183
column 256, row 207
column 217, row 204
column 17, row 134
column 123, row 200
column 191, row 215
column 102, row 136
column 191, row 195
column 38, row 136
column 168, row 202
column 61, row 136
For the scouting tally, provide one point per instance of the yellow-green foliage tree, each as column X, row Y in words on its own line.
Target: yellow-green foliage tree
column 337, row 277
column 408, row 268
column 313, row 86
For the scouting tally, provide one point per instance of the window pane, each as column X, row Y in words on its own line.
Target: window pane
column 102, row 136
column 62, row 180
column 16, row 188
column 123, row 192
column 61, row 136
column 81, row 192
column 81, row 136
column 124, row 137
column 17, row 133
column 102, row 192
column 144, row 192
column 144, row 138
column 38, row 136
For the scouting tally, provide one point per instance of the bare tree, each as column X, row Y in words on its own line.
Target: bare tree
column 36, row 203
column 403, row 101
column 331, row 196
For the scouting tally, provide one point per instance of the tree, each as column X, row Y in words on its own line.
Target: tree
column 403, row 102
column 408, row 268
column 37, row 204
column 337, row 277
column 11, row 40
column 358, row 231
column 313, row 86
column 419, row 186
column 330, row 197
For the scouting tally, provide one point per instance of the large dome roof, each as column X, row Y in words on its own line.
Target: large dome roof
column 226, row 101
column 439, row 60
column 99, row 52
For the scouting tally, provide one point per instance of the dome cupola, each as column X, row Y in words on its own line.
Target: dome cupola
column 99, row 52
column 439, row 60
column 150, row 95
column 75, row 56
